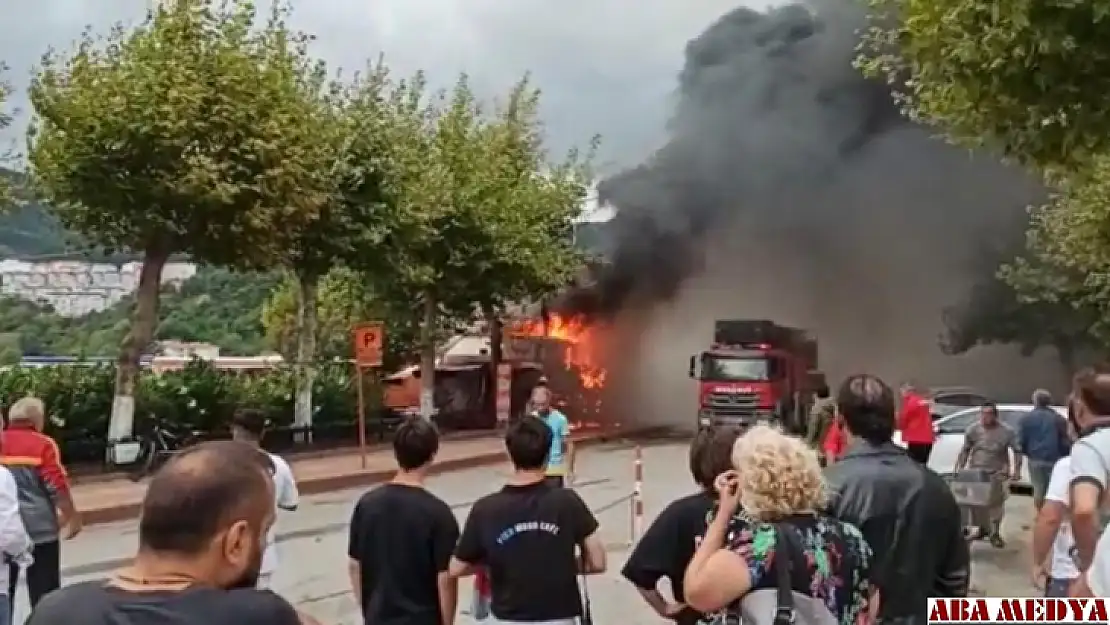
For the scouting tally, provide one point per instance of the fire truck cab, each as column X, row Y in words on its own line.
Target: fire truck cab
column 756, row 371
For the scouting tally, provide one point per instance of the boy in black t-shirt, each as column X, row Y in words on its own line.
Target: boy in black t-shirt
column 401, row 540
column 668, row 544
column 528, row 535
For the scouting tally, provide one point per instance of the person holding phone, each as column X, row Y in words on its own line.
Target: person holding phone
column 774, row 489
column 667, row 546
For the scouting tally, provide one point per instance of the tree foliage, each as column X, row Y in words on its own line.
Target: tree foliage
column 1027, row 77
column 1068, row 263
column 996, row 312
column 187, row 134
column 7, row 190
column 345, row 300
column 480, row 215
column 182, row 135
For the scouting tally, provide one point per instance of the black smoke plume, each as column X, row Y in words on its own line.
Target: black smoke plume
column 791, row 188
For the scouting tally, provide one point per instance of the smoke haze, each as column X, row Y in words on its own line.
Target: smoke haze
column 792, row 190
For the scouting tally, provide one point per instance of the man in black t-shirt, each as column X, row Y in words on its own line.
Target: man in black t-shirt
column 202, row 533
column 402, row 537
column 668, row 544
column 528, row 535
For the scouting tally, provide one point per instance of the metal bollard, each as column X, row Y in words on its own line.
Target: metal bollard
column 637, row 507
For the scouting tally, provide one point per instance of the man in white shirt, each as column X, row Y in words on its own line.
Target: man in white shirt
column 1089, row 412
column 249, row 426
column 1095, row 581
column 15, row 544
column 1053, row 543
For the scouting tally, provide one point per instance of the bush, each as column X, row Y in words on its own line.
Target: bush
column 79, row 401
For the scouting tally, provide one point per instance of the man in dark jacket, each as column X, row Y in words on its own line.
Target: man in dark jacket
column 906, row 512
column 1043, row 439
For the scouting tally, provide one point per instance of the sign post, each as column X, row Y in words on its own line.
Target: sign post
column 369, row 338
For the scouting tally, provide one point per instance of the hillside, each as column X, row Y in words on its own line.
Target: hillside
column 215, row 306
column 29, row 230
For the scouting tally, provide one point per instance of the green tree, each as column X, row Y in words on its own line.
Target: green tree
column 7, row 193
column 1069, row 251
column 354, row 218
column 345, row 299
column 996, row 312
column 479, row 214
column 1025, row 77
column 186, row 134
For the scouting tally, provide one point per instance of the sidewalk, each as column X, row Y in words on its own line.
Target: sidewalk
column 120, row 499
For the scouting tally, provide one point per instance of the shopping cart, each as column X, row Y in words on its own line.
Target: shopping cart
column 976, row 492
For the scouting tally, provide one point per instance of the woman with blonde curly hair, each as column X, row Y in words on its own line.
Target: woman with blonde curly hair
column 769, row 527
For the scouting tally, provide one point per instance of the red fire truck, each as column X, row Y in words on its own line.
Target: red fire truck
column 756, row 371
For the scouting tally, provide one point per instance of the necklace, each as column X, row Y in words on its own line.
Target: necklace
column 168, row 581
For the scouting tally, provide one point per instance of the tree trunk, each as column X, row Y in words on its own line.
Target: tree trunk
column 495, row 355
column 496, row 331
column 307, row 287
column 144, row 320
column 428, row 357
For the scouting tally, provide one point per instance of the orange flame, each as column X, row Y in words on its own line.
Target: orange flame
column 581, row 346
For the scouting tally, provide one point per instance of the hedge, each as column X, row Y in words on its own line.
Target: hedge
column 79, row 402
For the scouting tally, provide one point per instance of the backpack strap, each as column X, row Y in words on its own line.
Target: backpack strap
column 784, row 610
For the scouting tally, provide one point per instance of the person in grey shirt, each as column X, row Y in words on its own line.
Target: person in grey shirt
column 987, row 447
column 1089, row 410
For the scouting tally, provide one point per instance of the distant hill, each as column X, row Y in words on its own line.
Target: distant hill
column 29, row 230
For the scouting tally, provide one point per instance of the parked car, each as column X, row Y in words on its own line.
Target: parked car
column 951, row 429
column 951, row 399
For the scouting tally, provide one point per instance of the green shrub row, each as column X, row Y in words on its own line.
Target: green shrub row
column 79, row 401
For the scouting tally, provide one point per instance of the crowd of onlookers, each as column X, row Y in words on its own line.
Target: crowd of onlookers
column 780, row 529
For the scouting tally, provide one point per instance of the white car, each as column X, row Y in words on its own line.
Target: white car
column 950, row 435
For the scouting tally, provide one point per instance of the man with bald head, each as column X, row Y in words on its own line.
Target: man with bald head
column 906, row 512
column 202, row 534
column 560, row 460
column 1090, row 460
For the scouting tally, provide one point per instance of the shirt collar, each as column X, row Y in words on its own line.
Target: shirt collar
column 861, row 448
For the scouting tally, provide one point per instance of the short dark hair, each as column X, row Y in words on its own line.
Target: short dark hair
column 711, row 454
column 415, row 443
column 988, row 405
column 250, row 420
column 823, row 391
column 201, row 490
column 1092, row 387
column 528, row 440
column 867, row 405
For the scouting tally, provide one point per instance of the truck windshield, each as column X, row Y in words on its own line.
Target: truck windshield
column 725, row 369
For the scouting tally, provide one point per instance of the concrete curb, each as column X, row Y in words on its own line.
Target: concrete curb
column 310, row 454
column 329, row 483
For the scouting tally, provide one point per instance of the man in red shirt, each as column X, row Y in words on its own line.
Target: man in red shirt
column 45, row 501
column 915, row 420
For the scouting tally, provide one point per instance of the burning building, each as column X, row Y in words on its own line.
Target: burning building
column 570, row 352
